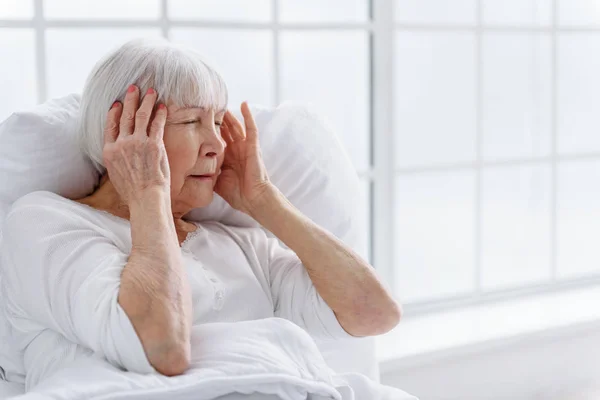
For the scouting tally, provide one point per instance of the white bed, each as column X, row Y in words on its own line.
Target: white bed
column 10, row 389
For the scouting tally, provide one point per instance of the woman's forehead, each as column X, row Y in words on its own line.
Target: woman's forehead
column 190, row 111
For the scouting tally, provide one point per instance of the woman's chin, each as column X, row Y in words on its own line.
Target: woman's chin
column 204, row 200
column 197, row 200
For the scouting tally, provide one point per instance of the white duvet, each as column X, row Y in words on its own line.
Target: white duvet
column 262, row 358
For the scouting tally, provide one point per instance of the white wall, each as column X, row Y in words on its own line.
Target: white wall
column 562, row 365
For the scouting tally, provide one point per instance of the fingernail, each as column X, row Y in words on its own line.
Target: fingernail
column 150, row 91
column 115, row 104
column 131, row 88
column 161, row 106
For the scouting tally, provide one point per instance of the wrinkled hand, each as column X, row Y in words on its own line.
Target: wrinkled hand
column 134, row 153
column 244, row 182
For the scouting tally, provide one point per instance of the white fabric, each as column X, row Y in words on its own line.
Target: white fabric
column 10, row 389
column 62, row 263
column 261, row 357
column 38, row 151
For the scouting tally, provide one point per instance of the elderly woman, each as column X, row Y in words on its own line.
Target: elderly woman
column 128, row 265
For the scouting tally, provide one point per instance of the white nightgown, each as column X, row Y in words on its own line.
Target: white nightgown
column 61, row 265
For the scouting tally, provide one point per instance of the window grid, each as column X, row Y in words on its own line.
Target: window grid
column 554, row 144
column 40, row 49
column 478, row 148
column 276, row 37
column 382, row 206
column 479, row 296
column 382, row 28
column 164, row 18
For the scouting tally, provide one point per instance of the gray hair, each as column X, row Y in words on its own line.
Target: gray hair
column 177, row 73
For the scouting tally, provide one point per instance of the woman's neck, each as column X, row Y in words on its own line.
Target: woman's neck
column 106, row 198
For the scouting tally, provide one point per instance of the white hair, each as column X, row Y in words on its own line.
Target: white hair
column 177, row 73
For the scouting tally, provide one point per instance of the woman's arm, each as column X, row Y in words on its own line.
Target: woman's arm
column 62, row 271
column 154, row 291
column 347, row 283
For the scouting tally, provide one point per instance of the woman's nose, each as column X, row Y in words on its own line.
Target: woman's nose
column 214, row 145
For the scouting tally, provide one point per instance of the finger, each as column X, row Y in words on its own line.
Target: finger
column 226, row 133
column 235, row 126
column 157, row 127
column 130, row 106
column 111, row 128
column 251, row 129
column 144, row 113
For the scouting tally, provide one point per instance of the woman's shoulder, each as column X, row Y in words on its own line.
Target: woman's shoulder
column 34, row 203
column 43, row 201
column 37, row 198
column 48, row 220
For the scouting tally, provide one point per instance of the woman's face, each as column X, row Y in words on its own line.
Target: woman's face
column 195, row 151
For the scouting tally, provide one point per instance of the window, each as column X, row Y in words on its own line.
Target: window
column 496, row 144
column 473, row 124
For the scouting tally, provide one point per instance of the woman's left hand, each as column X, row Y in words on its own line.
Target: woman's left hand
column 244, row 182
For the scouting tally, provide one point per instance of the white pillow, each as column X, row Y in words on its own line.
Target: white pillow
column 39, row 151
column 304, row 158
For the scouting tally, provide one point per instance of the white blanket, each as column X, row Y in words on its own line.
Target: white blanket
column 269, row 357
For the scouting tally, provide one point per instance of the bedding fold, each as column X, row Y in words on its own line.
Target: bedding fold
column 268, row 357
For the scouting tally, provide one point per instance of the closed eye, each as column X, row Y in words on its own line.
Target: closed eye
column 194, row 121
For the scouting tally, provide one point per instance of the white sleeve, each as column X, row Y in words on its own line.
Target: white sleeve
column 62, row 274
column 295, row 297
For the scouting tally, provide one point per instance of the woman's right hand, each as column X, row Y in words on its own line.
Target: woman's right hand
column 134, row 153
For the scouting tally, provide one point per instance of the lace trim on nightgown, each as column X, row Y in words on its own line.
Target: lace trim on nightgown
column 190, row 236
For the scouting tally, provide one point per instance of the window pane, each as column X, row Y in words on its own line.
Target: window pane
column 517, row 12
column 434, row 98
column 578, row 88
column 434, row 235
column 17, row 9
column 221, row 10
column 578, row 12
column 105, row 9
column 517, row 95
column 436, row 11
column 578, row 218
column 331, row 70
column 244, row 58
column 72, row 53
column 17, row 77
column 516, row 232
column 323, row 11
